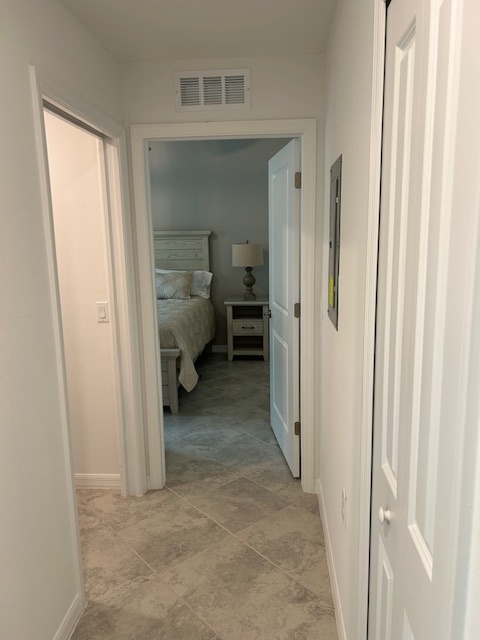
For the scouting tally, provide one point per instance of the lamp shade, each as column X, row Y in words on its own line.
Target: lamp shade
column 248, row 254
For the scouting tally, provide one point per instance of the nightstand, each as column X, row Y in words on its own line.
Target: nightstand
column 247, row 327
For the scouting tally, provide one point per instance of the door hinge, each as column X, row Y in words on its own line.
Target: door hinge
column 298, row 180
column 296, row 310
column 297, row 428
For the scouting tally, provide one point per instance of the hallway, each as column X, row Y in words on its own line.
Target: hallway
column 231, row 549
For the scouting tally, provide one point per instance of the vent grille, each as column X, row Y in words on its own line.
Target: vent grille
column 204, row 90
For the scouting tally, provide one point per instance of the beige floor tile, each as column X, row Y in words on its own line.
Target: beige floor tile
column 292, row 540
column 239, row 504
column 231, row 582
column 120, row 511
column 174, row 535
column 151, row 612
column 223, row 457
column 286, row 615
column 110, row 567
column 277, row 477
column 90, row 521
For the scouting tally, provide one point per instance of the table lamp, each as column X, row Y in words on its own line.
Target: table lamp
column 248, row 255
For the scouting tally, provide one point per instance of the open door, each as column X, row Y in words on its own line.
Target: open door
column 284, row 236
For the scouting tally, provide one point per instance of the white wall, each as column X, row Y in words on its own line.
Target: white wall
column 348, row 114
column 75, row 159
column 281, row 87
column 220, row 185
column 38, row 558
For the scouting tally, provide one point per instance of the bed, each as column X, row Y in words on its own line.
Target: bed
column 186, row 323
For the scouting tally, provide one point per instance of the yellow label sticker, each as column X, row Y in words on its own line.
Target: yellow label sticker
column 331, row 292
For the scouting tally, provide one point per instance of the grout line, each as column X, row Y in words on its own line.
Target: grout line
column 234, row 535
column 325, row 607
column 196, row 614
column 239, row 473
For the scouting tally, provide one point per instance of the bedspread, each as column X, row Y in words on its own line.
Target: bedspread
column 187, row 325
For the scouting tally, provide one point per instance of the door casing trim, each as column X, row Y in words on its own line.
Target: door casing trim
column 121, row 275
column 306, row 131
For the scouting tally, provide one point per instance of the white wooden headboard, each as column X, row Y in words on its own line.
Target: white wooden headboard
column 181, row 249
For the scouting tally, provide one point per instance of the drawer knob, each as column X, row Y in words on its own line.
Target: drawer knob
column 244, row 327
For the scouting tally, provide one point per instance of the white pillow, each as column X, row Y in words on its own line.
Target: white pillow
column 201, row 281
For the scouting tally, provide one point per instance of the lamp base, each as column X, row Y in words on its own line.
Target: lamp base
column 249, row 281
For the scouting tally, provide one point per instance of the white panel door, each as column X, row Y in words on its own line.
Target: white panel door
column 418, row 354
column 284, row 248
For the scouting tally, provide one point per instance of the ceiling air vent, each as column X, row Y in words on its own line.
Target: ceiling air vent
column 205, row 90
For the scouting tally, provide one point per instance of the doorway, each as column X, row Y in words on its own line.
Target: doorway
column 141, row 134
column 226, row 186
column 120, row 267
column 76, row 161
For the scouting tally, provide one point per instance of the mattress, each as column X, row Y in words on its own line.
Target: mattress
column 187, row 325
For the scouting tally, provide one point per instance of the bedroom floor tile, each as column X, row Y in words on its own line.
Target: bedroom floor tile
column 242, row 451
column 191, row 473
column 224, row 406
column 205, row 428
column 254, row 422
column 233, row 550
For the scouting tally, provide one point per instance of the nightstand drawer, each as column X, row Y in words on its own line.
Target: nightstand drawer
column 246, row 326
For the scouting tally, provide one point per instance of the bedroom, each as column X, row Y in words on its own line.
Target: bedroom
column 221, row 186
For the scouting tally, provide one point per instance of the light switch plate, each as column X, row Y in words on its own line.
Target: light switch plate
column 103, row 314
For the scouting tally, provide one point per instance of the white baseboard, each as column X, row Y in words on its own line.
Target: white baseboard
column 219, row 348
column 98, row 480
column 66, row 629
column 342, row 634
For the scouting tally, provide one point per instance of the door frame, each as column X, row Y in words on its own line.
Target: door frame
column 306, row 131
column 120, row 266
column 373, row 224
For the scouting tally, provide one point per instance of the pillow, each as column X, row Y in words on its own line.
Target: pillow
column 200, row 283
column 173, row 284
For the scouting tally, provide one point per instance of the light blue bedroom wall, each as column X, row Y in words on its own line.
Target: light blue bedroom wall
column 221, row 185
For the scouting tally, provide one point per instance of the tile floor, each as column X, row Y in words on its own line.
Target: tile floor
column 232, row 549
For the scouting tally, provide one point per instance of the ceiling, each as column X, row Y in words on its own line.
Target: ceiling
column 142, row 30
